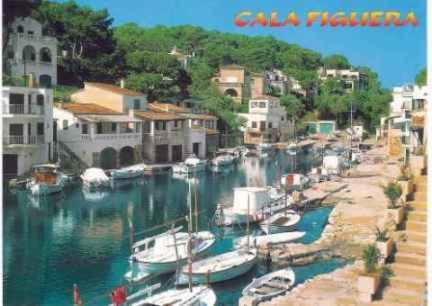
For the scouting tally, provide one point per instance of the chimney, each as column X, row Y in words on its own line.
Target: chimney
column 122, row 83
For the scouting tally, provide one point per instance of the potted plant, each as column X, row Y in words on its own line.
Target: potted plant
column 395, row 212
column 384, row 244
column 405, row 181
column 369, row 281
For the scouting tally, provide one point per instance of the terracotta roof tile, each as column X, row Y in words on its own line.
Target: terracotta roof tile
column 114, row 89
column 88, row 109
column 166, row 107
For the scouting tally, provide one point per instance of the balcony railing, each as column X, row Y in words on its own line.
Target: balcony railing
column 21, row 140
column 20, row 109
column 34, row 37
column 114, row 137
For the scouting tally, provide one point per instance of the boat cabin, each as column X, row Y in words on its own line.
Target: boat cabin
column 45, row 173
column 256, row 198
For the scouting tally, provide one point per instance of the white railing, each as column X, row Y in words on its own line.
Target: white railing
column 19, row 109
column 33, row 37
column 105, row 137
column 21, row 140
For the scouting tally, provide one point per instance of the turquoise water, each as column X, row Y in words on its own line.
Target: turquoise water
column 54, row 242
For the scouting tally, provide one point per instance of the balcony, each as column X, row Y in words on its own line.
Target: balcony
column 22, row 140
column 110, row 137
column 33, row 37
column 20, row 109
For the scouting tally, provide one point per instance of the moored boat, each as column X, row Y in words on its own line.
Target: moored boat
column 219, row 268
column 270, row 285
column 46, row 179
column 280, row 222
column 223, row 160
column 93, row 178
column 191, row 164
column 127, row 172
column 271, row 239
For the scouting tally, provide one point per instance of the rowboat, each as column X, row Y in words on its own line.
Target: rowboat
column 164, row 252
column 219, row 268
column 197, row 296
column 271, row 239
column 127, row 172
column 280, row 222
column 46, row 179
column 270, row 285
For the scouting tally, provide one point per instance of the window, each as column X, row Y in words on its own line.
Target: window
column 254, row 125
column 45, row 55
column 113, row 127
column 65, row 124
column 137, row 104
column 77, row 125
column 40, row 100
column 254, row 104
column 84, row 128
column 282, row 118
column 40, row 128
column 262, row 105
column 99, row 128
column 146, row 127
column 270, row 125
column 160, row 125
column 29, row 130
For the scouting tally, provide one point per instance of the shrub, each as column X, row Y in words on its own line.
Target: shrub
column 370, row 256
column 381, row 235
column 393, row 191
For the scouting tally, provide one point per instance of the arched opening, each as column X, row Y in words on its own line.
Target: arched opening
column 20, row 29
column 231, row 92
column 29, row 54
column 108, row 158
column 45, row 81
column 126, row 156
column 45, row 55
column 40, row 100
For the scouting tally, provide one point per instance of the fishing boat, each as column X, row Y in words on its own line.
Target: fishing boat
column 280, row 222
column 271, row 239
column 162, row 253
column 127, row 172
column 223, row 160
column 220, row 267
column 196, row 296
column 191, row 164
column 292, row 149
column 46, row 179
column 270, row 285
column 94, row 178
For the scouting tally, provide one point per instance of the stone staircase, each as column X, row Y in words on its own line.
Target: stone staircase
column 69, row 160
column 408, row 285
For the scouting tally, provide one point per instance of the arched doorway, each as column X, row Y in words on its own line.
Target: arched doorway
column 45, row 55
column 45, row 81
column 108, row 158
column 29, row 54
column 126, row 156
column 231, row 92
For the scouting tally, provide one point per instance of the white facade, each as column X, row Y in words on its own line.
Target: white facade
column 27, row 128
column 352, row 79
column 408, row 98
column 91, row 136
column 195, row 138
column 29, row 52
column 268, row 119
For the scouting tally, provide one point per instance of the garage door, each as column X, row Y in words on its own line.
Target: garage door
column 161, row 154
column 10, row 165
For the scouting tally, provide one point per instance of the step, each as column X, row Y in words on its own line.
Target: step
column 416, row 226
column 410, row 258
column 404, row 296
column 416, row 236
column 408, row 283
column 406, row 270
column 412, row 247
column 417, row 215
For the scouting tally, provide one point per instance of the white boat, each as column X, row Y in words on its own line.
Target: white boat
column 293, row 181
column 192, row 164
column 46, row 179
column 264, row 146
column 223, row 160
column 198, row 296
column 161, row 254
column 271, row 239
column 127, row 172
column 95, row 178
column 220, row 267
column 281, row 221
column 270, row 285
column 291, row 149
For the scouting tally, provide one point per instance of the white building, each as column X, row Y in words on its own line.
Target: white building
column 408, row 98
column 99, row 136
column 29, row 52
column 27, row 128
column 266, row 121
column 352, row 79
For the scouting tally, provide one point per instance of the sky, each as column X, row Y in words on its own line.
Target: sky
column 397, row 54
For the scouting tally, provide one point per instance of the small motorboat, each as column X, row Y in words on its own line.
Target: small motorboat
column 223, row 160
column 46, row 179
column 164, row 252
column 127, row 172
column 270, row 285
column 280, row 222
column 219, row 268
column 271, row 239
column 191, row 164
column 197, row 296
column 94, row 178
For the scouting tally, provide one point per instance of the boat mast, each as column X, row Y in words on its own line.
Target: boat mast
column 196, row 204
column 189, row 244
column 247, row 223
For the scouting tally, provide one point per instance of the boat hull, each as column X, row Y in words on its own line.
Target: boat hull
column 220, row 276
column 42, row 189
column 185, row 169
column 118, row 175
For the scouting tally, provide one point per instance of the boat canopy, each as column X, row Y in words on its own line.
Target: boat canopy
column 147, row 240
